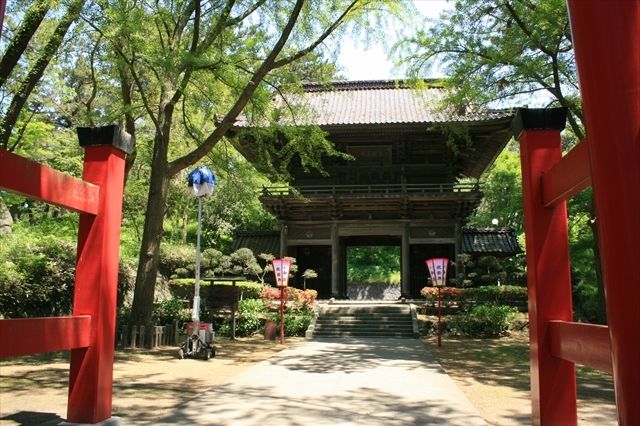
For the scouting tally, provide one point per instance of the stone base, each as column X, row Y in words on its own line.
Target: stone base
column 111, row 421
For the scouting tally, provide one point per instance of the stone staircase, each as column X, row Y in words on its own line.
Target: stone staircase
column 364, row 320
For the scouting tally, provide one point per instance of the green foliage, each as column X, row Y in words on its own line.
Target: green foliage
column 296, row 299
column 169, row 311
column 296, row 322
column 249, row 321
column 483, row 321
column 502, row 189
column 36, row 277
column 373, row 264
column 486, row 294
column 176, row 256
column 497, row 51
column 184, row 287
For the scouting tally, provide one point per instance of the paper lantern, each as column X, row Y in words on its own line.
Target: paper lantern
column 281, row 269
column 202, row 181
column 438, row 270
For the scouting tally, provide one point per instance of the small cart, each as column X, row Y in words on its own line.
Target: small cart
column 200, row 344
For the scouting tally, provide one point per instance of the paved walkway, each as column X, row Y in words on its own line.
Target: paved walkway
column 336, row 382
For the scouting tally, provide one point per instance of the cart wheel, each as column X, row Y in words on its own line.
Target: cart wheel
column 181, row 353
column 213, row 351
column 206, row 353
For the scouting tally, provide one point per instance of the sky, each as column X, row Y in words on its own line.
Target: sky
column 360, row 62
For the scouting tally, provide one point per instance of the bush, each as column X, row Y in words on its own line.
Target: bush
column 176, row 256
column 249, row 321
column 297, row 322
column 490, row 294
column 483, row 321
column 169, row 311
column 296, row 298
column 37, row 277
column 184, row 288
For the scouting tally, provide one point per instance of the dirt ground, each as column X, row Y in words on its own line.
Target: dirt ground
column 493, row 373
column 147, row 383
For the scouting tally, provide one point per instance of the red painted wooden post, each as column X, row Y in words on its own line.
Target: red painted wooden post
column 90, row 382
column 553, row 383
column 606, row 37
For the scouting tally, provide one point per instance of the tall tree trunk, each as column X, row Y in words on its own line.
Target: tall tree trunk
column 142, row 307
column 35, row 73
column 126, row 90
column 30, row 24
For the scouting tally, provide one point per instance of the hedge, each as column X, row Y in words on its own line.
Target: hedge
column 184, row 287
column 485, row 294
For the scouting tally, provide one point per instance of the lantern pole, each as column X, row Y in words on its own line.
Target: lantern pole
column 282, row 294
column 439, row 317
column 437, row 268
column 196, row 296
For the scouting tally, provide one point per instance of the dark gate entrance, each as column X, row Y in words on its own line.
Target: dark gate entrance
column 317, row 258
column 360, row 277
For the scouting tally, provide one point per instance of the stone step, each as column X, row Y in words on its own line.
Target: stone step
column 364, row 321
column 343, row 334
column 337, row 323
column 405, row 328
column 365, row 310
column 381, row 318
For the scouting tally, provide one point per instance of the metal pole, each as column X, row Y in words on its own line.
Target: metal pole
column 282, row 290
column 439, row 318
column 196, row 298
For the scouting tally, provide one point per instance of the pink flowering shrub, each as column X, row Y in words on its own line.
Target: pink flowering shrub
column 295, row 298
column 447, row 293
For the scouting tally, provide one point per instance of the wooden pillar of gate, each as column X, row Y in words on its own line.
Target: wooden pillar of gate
column 553, row 382
column 91, row 370
column 606, row 37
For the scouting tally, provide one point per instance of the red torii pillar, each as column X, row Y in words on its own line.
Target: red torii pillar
column 553, row 380
column 91, row 371
column 606, row 38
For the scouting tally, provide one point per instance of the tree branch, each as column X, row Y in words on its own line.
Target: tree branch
column 299, row 54
column 248, row 91
column 20, row 40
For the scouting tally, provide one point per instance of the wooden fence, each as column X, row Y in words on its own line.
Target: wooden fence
column 133, row 336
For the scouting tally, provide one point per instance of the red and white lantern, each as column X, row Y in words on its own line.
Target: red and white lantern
column 438, row 270
column 281, row 269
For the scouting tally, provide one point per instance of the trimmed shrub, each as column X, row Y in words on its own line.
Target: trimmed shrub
column 482, row 321
column 487, row 294
column 184, row 288
column 176, row 256
column 296, row 298
column 249, row 321
column 169, row 311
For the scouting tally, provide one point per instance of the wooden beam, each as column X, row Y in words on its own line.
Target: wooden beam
column 35, row 180
column 25, row 336
column 568, row 176
column 580, row 343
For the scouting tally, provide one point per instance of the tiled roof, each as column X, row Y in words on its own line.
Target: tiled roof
column 490, row 241
column 258, row 241
column 377, row 102
column 487, row 241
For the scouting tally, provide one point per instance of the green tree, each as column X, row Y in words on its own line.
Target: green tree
column 27, row 84
column 195, row 68
column 502, row 187
column 496, row 51
column 502, row 50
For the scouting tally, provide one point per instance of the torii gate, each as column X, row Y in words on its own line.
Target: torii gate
column 606, row 39
column 90, row 332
